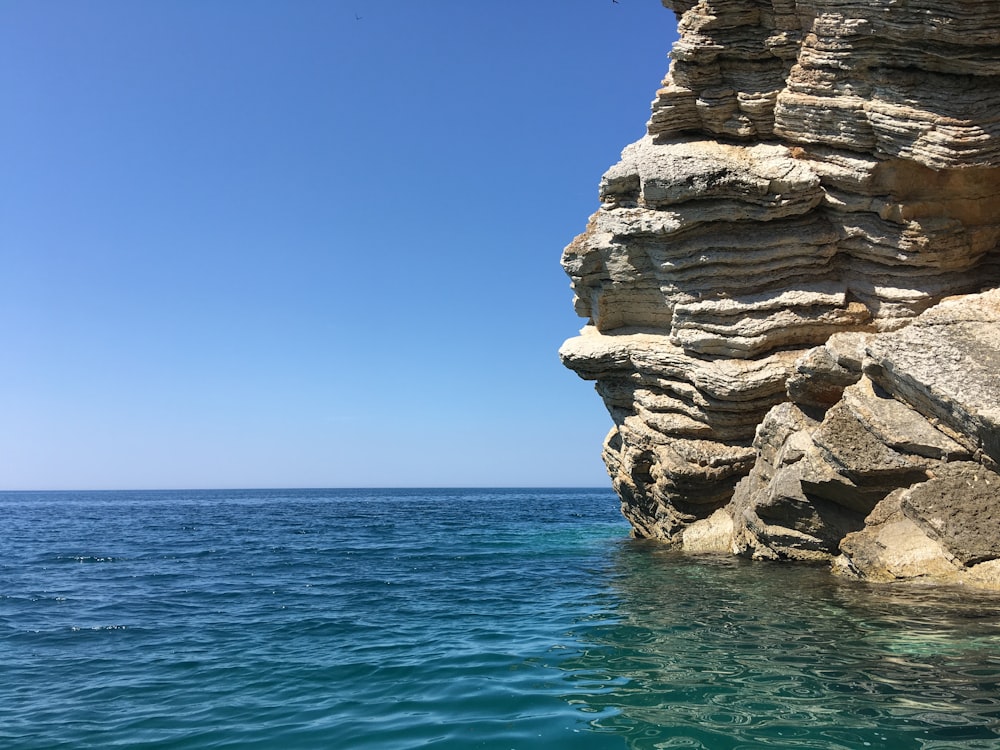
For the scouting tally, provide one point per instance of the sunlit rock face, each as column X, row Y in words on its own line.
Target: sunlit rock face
column 763, row 281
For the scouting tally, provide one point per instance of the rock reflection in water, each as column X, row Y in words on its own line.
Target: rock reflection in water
column 718, row 653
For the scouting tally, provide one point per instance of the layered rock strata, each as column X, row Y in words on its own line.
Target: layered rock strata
column 784, row 284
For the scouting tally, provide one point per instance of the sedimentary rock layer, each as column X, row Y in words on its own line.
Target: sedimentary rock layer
column 763, row 282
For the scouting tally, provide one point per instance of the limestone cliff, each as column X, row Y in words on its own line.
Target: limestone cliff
column 787, row 288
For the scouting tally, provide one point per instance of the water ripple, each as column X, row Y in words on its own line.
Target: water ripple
column 789, row 658
column 455, row 619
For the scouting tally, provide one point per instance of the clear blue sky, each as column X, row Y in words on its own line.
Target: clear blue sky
column 314, row 243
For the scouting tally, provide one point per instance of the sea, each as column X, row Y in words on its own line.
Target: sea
column 456, row 618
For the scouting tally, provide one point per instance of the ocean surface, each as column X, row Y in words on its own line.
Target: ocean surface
column 500, row 619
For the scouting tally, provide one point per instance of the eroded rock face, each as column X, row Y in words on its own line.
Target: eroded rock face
column 782, row 284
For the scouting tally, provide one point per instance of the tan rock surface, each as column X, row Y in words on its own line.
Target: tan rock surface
column 818, row 190
column 945, row 530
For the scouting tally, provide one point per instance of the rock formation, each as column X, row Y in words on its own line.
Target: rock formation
column 788, row 289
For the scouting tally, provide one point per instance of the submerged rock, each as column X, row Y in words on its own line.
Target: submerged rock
column 789, row 289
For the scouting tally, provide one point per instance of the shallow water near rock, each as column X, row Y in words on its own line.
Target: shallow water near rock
column 456, row 619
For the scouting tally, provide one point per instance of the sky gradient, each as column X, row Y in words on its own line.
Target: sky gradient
column 305, row 244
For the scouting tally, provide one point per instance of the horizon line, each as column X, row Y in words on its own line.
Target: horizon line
column 322, row 489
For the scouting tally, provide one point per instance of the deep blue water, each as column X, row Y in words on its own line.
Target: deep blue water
column 455, row 619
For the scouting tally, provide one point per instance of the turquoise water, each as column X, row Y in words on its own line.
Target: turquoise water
column 455, row 619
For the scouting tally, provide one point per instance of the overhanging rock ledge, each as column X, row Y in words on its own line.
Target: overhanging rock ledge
column 791, row 289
